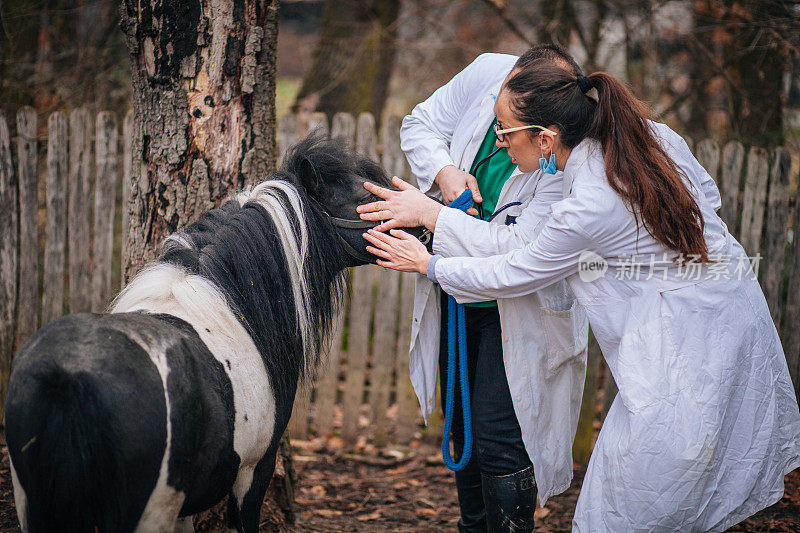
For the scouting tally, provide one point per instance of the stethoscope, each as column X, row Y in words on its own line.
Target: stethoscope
column 474, row 169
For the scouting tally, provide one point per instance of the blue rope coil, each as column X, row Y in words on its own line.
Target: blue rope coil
column 457, row 334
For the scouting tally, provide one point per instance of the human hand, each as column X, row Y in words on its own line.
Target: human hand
column 399, row 251
column 407, row 207
column 452, row 181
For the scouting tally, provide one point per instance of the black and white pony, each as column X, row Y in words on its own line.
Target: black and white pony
column 139, row 418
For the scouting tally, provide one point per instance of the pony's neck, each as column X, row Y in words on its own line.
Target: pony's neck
column 267, row 259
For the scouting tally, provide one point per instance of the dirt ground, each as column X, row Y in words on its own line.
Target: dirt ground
column 408, row 490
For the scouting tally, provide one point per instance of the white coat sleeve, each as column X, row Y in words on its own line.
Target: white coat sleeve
column 458, row 234
column 553, row 256
column 426, row 133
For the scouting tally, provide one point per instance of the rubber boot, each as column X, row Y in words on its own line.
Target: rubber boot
column 510, row 501
column 470, row 500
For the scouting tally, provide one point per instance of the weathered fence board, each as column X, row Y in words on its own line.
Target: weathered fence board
column 708, row 157
column 775, row 232
column 582, row 446
column 791, row 319
column 730, row 175
column 56, row 231
column 298, row 424
column 357, row 348
column 287, row 135
column 755, row 195
column 394, row 160
column 610, row 390
column 27, row 174
column 79, row 209
column 105, row 189
column 343, row 126
column 9, row 254
column 328, row 383
column 365, row 136
column 318, row 122
column 383, row 351
column 407, row 404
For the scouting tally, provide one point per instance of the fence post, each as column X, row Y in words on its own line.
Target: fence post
column 732, row 159
column 365, row 136
column 27, row 173
column 708, row 157
column 357, row 348
column 127, row 171
column 383, row 350
column 755, row 193
column 407, row 403
column 791, row 331
column 328, row 383
column 107, row 140
column 79, row 211
column 56, row 234
column 394, row 160
column 343, row 126
column 610, row 390
column 582, row 447
column 287, row 135
column 775, row 232
column 318, row 122
column 8, row 255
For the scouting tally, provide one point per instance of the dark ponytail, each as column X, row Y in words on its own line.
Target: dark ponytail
column 637, row 167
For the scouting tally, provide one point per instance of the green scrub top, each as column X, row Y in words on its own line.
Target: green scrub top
column 491, row 176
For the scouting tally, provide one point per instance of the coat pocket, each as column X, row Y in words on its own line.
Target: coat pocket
column 564, row 333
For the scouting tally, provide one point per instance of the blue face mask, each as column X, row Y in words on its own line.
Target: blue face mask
column 548, row 167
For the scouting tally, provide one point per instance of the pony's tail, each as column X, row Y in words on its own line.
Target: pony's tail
column 63, row 454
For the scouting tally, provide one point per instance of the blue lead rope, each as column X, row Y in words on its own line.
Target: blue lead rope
column 456, row 320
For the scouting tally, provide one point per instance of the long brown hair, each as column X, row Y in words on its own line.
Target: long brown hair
column 637, row 166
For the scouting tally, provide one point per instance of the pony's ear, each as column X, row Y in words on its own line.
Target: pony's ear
column 310, row 178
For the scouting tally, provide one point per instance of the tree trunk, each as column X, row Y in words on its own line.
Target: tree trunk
column 353, row 58
column 204, row 108
column 203, row 77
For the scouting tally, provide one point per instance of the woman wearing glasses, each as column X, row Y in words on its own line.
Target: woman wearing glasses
column 706, row 422
column 518, row 432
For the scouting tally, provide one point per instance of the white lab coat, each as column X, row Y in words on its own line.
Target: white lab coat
column 544, row 335
column 706, row 423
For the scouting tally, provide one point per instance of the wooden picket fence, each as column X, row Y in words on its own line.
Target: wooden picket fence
column 72, row 270
column 363, row 387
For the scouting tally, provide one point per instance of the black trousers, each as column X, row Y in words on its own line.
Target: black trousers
column 497, row 449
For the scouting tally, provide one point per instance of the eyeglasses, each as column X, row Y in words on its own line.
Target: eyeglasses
column 501, row 133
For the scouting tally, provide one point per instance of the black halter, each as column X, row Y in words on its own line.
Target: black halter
column 347, row 223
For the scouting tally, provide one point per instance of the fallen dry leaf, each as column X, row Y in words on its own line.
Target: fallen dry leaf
column 371, row 516
column 335, row 443
column 327, row 513
column 318, row 492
